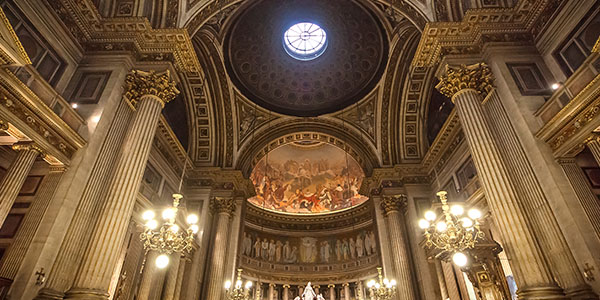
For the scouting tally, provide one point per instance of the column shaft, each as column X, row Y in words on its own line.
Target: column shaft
column 346, row 291
column 223, row 207
column 172, row 276
column 179, row 282
column 532, row 272
column 148, row 274
column 536, row 205
column 286, row 293
column 15, row 177
column 12, row 259
column 61, row 276
column 582, row 189
column 331, row 292
column 441, row 280
column 394, row 212
column 100, row 259
column 271, row 291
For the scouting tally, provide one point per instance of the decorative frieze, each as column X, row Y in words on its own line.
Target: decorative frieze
column 477, row 77
column 140, row 83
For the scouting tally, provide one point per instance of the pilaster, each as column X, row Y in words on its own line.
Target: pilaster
column 222, row 208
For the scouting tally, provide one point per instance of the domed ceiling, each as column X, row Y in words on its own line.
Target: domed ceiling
column 307, row 178
column 348, row 69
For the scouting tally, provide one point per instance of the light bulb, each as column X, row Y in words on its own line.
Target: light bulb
column 192, row 219
column 467, row 223
column 460, row 259
column 227, row 284
column 248, row 284
column 441, row 226
column 74, row 105
column 162, row 261
column 457, row 210
column 371, row 283
column 168, row 214
column 555, row 86
column 423, row 224
column 474, row 213
column 377, row 285
column 393, row 282
column 430, row 216
column 148, row 215
column 152, row 224
column 238, row 284
column 194, row 228
column 174, row 228
column 386, row 281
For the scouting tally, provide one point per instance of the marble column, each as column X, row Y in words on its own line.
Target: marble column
column 301, row 289
column 331, row 291
column 223, row 208
column 172, row 277
column 441, row 280
column 346, row 291
column 271, row 291
column 15, row 177
column 179, row 281
column 286, row 292
column 467, row 86
column 581, row 186
column 535, row 204
column 61, row 277
column 394, row 207
column 148, row 273
column 12, row 259
column 149, row 92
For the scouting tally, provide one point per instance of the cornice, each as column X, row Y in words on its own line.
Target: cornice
column 20, row 57
column 521, row 23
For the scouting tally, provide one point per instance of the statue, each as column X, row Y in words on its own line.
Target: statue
column 278, row 249
column 287, row 251
column 325, row 251
column 368, row 244
column 373, row 242
column 257, row 248
column 345, row 249
column 308, row 250
column 360, row 246
column 338, row 250
column 309, row 293
column 247, row 244
column 353, row 247
column 264, row 252
column 320, row 297
column 272, row 250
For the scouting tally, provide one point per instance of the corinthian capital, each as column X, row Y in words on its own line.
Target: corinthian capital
column 28, row 147
column 140, row 83
column 222, row 205
column 476, row 77
column 392, row 203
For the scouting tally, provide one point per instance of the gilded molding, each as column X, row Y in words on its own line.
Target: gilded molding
column 393, row 203
column 4, row 125
column 597, row 46
column 28, row 147
column 477, row 77
column 17, row 43
column 222, row 205
column 139, row 83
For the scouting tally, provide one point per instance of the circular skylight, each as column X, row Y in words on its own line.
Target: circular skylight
column 305, row 41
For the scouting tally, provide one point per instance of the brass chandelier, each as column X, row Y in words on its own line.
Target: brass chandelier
column 169, row 237
column 383, row 288
column 237, row 292
column 453, row 233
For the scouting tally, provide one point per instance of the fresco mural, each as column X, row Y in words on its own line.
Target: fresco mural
column 307, row 177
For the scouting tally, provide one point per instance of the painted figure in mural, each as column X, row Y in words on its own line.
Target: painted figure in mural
column 338, row 250
column 308, row 250
column 309, row 293
column 278, row 250
column 264, row 249
column 272, row 250
column 352, row 246
column 360, row 246
column 257, row 248
column 345, row 249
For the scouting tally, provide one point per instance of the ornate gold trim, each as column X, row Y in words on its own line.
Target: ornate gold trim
column 478, row 77
column 15, row 39
column 140, row 83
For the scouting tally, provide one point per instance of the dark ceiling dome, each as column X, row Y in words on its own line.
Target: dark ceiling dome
column 348, row 70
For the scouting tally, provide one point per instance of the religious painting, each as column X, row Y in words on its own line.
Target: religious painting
column 307, row 178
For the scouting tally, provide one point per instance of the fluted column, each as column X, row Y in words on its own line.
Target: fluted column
column 15, row 177
column 148, row 274
column 286, row 292
column 12, row 259
column 331, row 292
column 582, row 189
column 179, row 282
column 466, row 86
column 149, row 92
column 346, row 291
column 223, row 208
column 393, row 207
column 441, row 280
column 271, row 291
column 171, row 283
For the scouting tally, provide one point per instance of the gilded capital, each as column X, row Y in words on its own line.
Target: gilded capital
column 140, row 83
column 478, row 77
column 392, row 203
column 3, row 125
column 28, row 147
column 222, row 205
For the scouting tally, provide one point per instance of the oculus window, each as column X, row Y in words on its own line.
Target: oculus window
column 305, row 41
